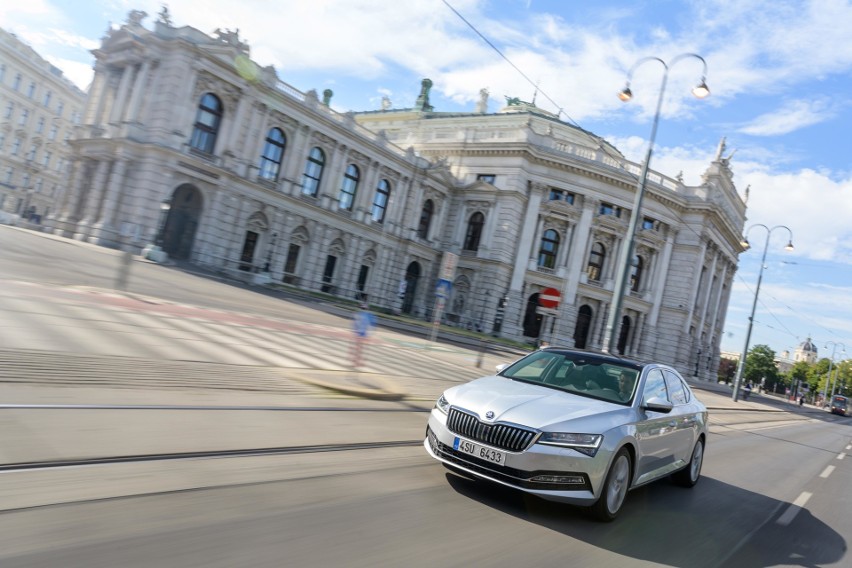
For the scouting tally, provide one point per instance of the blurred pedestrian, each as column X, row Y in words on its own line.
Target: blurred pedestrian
column 362, row 324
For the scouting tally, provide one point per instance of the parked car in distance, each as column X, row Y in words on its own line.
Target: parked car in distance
column 572, row 426
column 839, row 405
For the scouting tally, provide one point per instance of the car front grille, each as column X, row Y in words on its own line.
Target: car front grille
column 503, row 436
column 508, row 475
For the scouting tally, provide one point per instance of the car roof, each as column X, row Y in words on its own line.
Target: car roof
column 597, row 356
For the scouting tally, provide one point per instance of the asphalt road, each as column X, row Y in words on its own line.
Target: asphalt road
column 349, row 486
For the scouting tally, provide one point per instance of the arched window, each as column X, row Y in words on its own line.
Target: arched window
column 636, row 273
column 549, row 249
column 474, row 232
column 207, row 121
column 313, row 172
column 380, row 201
column 273, row 152
column 349, row 187
column 596, row 262
column 426, row 219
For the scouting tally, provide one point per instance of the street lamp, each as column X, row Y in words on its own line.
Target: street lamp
column 830, row 361
column 745, row 244
column 700, row 91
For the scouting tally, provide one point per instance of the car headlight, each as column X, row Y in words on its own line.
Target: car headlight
column 584, row 443
column 442, row 404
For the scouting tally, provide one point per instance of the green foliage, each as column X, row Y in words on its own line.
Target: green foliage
column 760, row 365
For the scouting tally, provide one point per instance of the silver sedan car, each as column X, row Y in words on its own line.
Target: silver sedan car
column 572, row 426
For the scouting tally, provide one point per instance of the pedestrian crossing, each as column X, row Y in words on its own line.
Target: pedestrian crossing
column 85, row 326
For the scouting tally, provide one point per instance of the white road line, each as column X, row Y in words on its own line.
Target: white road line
column 827, row 471
column 793, row 509
column 841, row 456
column 849, row 447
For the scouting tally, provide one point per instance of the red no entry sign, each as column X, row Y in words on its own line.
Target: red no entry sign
column 548, row 298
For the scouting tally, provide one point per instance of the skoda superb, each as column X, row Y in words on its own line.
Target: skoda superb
column 572, row 426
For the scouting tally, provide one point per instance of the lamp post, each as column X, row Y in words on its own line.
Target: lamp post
column 746, row 246
column 830, row 361
column 700, row 91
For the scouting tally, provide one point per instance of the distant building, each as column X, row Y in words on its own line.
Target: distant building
column 187, row 143
column 38, row 108
column 806, row 351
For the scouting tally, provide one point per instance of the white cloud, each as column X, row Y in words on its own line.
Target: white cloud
column 790, row 117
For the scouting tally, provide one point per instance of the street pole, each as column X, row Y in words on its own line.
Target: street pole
column 830, row 361
column 700, row 91
column 789, row 246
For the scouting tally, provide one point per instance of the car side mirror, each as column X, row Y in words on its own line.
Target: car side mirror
column 658, row 404
column 501, row 366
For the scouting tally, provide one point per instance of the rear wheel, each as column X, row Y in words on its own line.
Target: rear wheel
column 614, row 489
column 688, row 476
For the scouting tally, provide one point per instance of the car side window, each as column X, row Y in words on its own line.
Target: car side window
column 677, row 391
column 655, row 386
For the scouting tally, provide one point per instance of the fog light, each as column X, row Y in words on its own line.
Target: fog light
column 561, row 479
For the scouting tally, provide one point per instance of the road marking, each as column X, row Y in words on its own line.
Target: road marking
column 849, row 447
column 841, row 456
column 827, row 471
column 793, row 509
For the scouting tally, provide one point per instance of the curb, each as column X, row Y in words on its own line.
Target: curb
column 381, row 392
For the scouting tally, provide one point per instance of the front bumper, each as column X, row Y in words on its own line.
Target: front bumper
column 522, row 468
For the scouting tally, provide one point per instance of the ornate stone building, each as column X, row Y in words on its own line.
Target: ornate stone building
column 187, row 143
column 38, row 108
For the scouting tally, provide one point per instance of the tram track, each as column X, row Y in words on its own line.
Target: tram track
column 250, row 452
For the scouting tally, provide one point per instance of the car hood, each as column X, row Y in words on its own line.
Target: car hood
column 532, row 405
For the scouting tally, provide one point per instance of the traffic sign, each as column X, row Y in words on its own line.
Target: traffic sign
column 549, row 298
column 442, row 290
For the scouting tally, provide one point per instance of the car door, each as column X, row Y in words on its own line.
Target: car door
column 684, row 416
column 655, row 431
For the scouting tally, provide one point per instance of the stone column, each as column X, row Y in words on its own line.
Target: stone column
column 137, row 92
column 119, row 104
column 93, row 200
column 114, row 189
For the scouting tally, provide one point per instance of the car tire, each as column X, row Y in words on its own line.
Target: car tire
column 689, row 476
column 614, row 488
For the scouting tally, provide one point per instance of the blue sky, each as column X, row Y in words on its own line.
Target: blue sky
column 778, row 71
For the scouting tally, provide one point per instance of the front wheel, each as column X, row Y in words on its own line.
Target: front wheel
column 614, row 489
column 688, row 476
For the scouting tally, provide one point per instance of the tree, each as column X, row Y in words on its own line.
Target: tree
column 760, row 366
column 727, row 370
column 801, row 372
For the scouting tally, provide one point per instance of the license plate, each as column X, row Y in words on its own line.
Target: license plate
column 481, row 452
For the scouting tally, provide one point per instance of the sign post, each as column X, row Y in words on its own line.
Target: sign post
column 548, row 305
column 442, row 290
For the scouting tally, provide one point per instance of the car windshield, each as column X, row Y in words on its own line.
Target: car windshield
column 578, row 373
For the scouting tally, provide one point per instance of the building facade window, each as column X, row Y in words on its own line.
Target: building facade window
column 380, row 201
column 549, row 249
column 349, row 187
column 10, row 108
column 273, row 154
column 46, row 100
column 474, row 232
column 23, row 117
column 313, row 172
column 207, row 121
column 60, row 107
column 16, row 84
column 31, row 90
column 561, row 195
column 596, row 261
column 16, row 147
column 636, row 273
column 648, row 224
column 2, row 73
column 52, row 134
column 40, row 125
column 426, row 219
column 46, row 160
column 290, row 264
column 609, row 209
column 487, row 178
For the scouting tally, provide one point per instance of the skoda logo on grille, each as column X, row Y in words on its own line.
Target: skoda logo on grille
column 489, row 415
